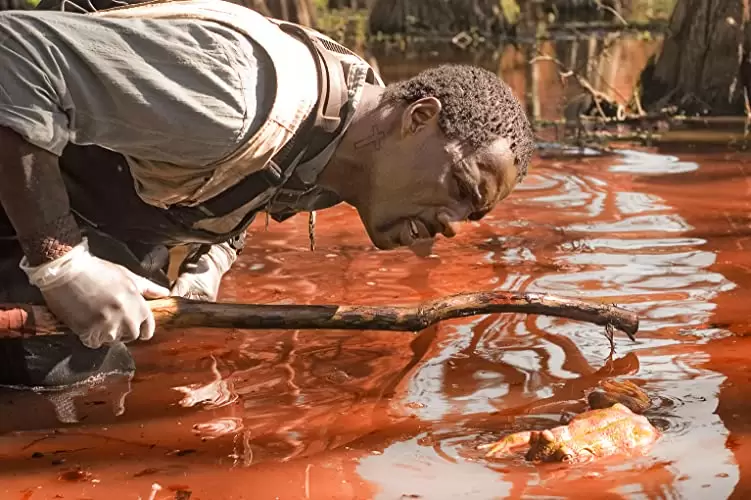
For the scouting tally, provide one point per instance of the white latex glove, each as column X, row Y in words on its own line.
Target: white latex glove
column 100, row 301
column 203, row 282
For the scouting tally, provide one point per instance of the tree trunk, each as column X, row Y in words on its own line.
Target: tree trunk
column 446, row 17
column 296, row 11
column 349, row 4
column 565, row 11
column 703, row 65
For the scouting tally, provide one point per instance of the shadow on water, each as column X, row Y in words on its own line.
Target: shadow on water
column 302, row 414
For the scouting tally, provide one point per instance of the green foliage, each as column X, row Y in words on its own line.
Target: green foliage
column 350, row 26
column 343, row 25
column 511, row 10
column 643, row 11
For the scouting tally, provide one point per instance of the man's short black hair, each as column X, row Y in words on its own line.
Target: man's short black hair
column 477, row 108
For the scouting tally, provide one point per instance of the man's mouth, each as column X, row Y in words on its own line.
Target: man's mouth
column 417, row 237
column 415, row 232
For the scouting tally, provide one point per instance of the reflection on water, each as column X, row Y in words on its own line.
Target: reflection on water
column 307, row 414
column 610, row 64
column 407, row 410
column 523, row 365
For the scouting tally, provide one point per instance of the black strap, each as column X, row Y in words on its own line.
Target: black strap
column 315, row 133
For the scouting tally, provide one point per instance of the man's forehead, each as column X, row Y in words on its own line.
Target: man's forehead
column 497, row 171
column 497, row 151
column 496, row 159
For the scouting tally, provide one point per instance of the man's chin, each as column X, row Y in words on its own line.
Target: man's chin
column 381, row 241
column 385, row 245
column 422, row 248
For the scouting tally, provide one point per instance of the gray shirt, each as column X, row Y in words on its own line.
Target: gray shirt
column 180, row 91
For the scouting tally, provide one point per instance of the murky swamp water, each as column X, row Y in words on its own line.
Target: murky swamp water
column 386, row 415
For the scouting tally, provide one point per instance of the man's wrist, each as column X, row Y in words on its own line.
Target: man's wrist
column 51, row 241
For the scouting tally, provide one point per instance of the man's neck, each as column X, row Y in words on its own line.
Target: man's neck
column 350, row 162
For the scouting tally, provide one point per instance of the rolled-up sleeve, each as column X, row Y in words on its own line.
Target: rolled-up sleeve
column 177, row 91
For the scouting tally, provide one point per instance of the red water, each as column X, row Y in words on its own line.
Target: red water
column 297, row 415
column 220, row 414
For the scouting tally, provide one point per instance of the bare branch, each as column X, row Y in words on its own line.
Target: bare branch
column 18, row 320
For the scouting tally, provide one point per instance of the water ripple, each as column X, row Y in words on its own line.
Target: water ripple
column 637, row 162
column 617, row 244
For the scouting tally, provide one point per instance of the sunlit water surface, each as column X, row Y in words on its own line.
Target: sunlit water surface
column 389, row 415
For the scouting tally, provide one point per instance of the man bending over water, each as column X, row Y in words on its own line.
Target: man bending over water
column 129, row 131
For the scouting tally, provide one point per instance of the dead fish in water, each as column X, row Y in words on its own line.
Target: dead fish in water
column 613, row 426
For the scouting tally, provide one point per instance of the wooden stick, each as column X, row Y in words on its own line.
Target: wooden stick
column 21, row 320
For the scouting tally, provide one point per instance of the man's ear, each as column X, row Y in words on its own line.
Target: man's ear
column 419, row 115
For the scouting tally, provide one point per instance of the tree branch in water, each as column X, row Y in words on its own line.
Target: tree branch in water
column 21, row 320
